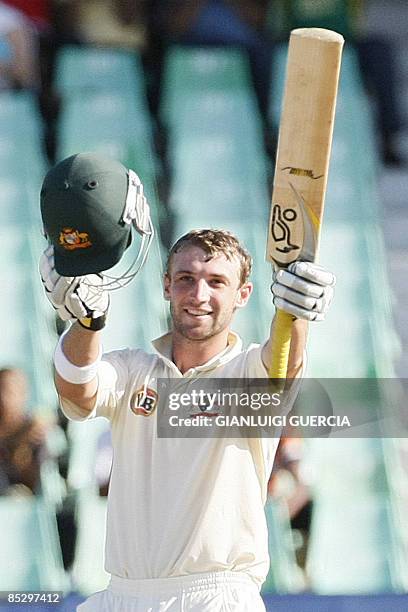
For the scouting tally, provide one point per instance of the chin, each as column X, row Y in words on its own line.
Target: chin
column 198, row 335
column 194, row 333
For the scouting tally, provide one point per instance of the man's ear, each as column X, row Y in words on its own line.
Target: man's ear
column 243, row 295
column 166, row 286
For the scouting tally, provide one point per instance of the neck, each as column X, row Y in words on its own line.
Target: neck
column 192, row 353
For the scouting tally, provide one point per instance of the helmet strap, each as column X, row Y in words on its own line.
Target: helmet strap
column 137, row 210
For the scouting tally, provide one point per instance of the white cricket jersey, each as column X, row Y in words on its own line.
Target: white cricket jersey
column 180, row 506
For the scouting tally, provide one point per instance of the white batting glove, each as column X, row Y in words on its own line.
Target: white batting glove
column 304, row 290
column 80, row 298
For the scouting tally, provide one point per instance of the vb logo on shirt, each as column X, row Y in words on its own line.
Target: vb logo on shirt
column 143, row 401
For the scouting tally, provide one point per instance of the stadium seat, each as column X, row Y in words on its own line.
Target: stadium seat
column 352, row 546
column 82, row 70
column 30, row 556
column 88, row 572
column 206, row 70
column 284, row 574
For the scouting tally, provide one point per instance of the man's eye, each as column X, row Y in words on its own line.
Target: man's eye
column 216, row 282
column 185, row 278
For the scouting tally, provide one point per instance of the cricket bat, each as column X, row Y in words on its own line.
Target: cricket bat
column 302, row 162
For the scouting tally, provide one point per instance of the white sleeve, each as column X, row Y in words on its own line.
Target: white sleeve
column 112, row 381
column 255, row 368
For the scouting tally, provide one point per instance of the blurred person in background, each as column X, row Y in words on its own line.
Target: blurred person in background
column 24, row 446
column 52, row 23
column 116, row 23
column 22, row 436
column 288, row 485
column 18, row 51
column 71, row 22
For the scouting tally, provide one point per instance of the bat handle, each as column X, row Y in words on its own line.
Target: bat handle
column 282, row 331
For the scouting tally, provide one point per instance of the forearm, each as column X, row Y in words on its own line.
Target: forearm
column 297, row 348
column 23, row 69
column 298, row 341
column 81, row 347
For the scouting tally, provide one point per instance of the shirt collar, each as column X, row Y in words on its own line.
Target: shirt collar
column 163, row 346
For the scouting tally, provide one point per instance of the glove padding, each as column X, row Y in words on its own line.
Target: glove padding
column 304, row 290
column 75, row 298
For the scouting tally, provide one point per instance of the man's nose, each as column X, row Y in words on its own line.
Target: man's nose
column 200, row 290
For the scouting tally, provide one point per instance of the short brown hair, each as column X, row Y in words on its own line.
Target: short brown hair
column 215, row 242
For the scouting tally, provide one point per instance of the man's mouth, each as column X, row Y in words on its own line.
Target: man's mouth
column 197, row 312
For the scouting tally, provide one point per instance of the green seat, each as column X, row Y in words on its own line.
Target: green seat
column 81, row 70
column 338, row 15
column 19, row 116
column 30, row 555
column 190, row 69
column 203, row 111
column 88, row 574
column 28, row 337
column 352, row 548
column 21, row 155
column 83, row 440
column 218, row 174
column 95, row 120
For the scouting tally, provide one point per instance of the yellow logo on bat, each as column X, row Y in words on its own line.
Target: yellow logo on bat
column 302, row 172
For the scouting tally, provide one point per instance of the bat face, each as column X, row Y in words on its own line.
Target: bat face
column 305, row 136
column 294, row 230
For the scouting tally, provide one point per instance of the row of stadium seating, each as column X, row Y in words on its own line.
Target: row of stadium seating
column 30, row 553
column 25, row 338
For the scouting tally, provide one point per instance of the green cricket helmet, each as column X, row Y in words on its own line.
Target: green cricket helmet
column 89, row 204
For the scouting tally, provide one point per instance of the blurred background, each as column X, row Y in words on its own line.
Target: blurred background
column 188, row 95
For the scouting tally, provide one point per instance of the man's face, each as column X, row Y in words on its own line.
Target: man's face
column 203, row 292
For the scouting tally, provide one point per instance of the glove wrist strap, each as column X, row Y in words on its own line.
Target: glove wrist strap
column 93, row 324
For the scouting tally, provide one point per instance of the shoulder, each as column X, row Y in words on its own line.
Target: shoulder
column 247, row 363
column 128, row 360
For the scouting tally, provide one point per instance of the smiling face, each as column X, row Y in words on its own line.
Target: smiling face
column 204, row 291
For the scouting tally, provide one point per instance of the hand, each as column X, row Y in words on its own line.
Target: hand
column 37, row 433
column 304, row 290
column 80, row 298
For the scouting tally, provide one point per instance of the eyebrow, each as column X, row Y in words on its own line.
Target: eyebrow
column 191, row 273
